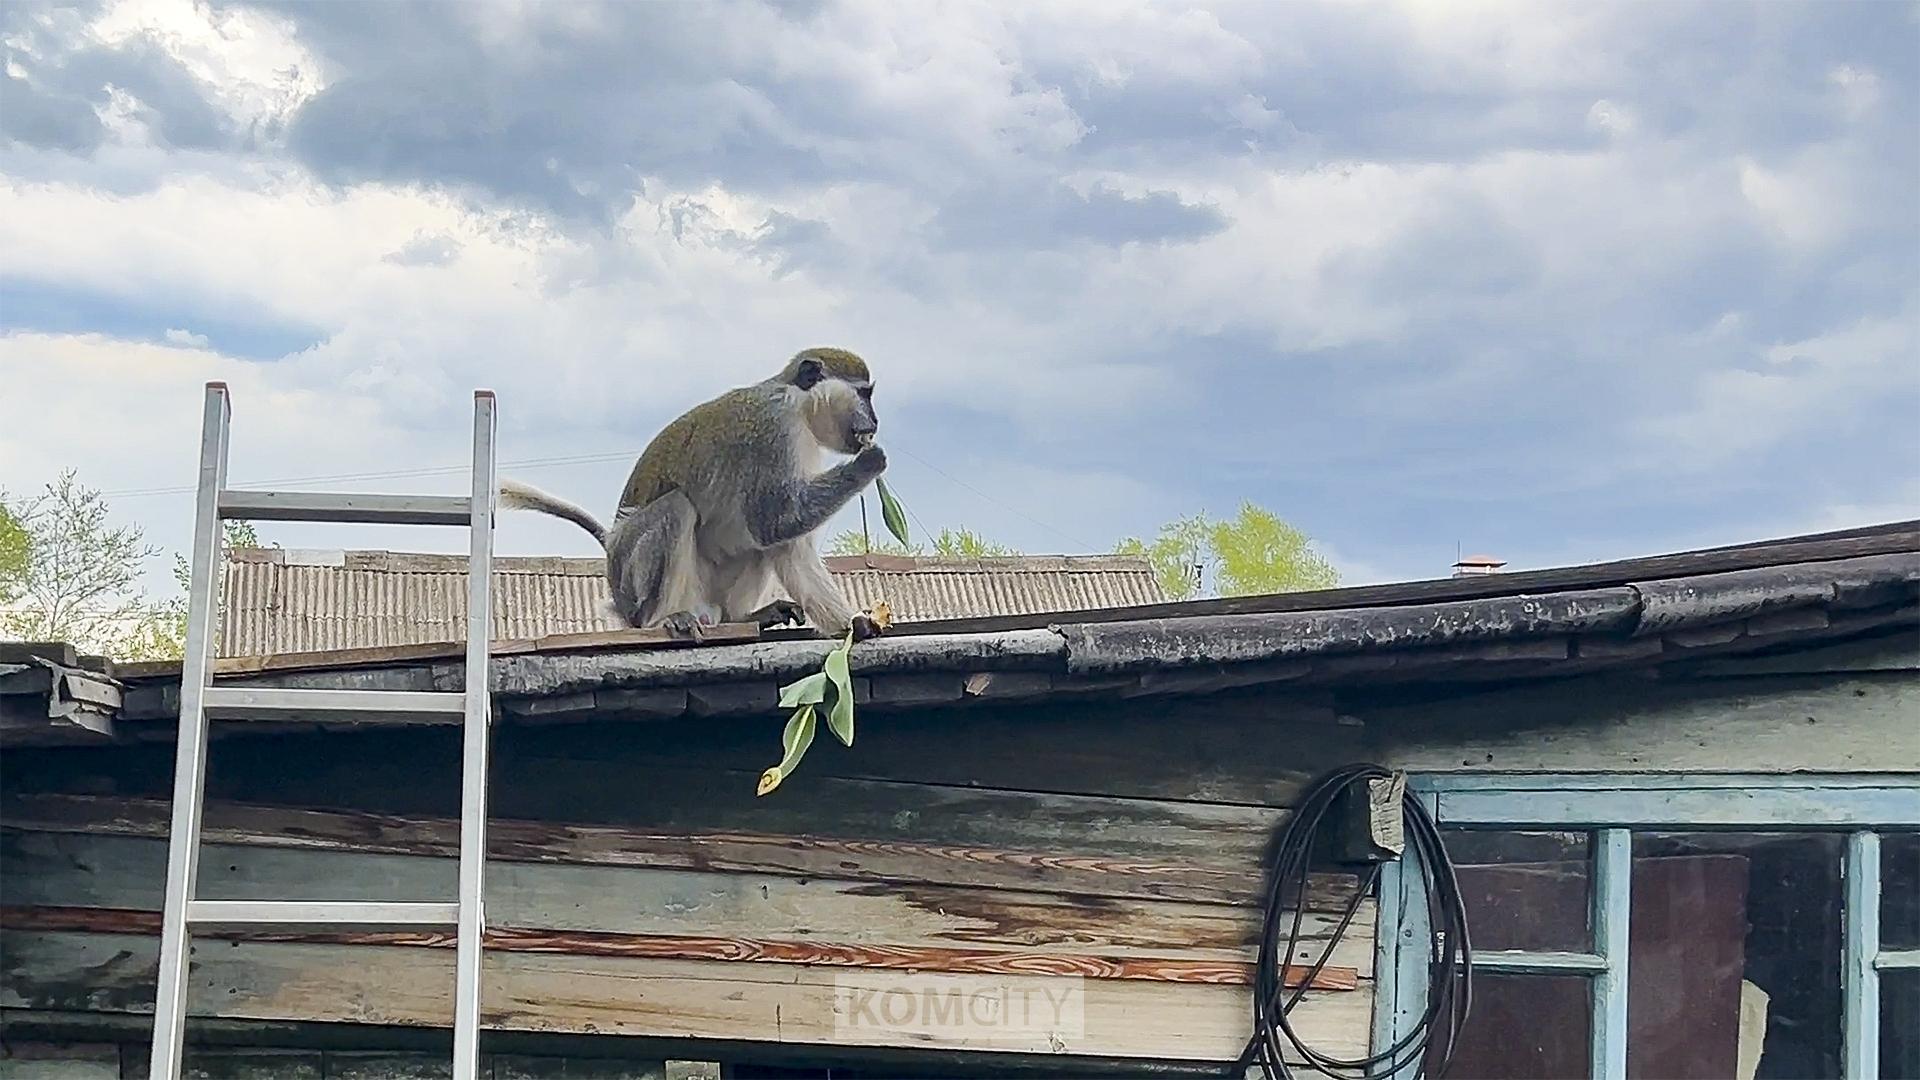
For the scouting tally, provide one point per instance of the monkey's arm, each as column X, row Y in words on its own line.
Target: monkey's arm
column 794, row 509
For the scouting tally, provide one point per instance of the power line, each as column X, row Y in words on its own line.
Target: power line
column 1083, row 545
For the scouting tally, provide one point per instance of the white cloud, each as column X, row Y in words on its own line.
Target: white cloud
column 1519, row 222
column 1794, row 388
column 248, row 60
column 1859, row 89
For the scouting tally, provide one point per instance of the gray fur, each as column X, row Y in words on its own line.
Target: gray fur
column 740, row 493
column 517, row 496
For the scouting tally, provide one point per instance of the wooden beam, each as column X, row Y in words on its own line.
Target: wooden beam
column 932, row 862
column 113, row 872
column 506, row 939
column 1842, row 723
column 776, row 1004
column 20, row 652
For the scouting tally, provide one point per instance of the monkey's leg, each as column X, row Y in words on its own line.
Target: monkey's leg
column 653, row 568
column 802, row 573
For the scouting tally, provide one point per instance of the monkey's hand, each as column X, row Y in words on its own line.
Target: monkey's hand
column 778, row 613
column 864, row 627
column 870, row 462
column 684, row 624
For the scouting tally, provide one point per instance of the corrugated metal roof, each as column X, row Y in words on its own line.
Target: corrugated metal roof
column 279, row 600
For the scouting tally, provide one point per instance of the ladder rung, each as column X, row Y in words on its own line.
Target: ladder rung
column 319, row 914
column 324, row 506
column 264, row 703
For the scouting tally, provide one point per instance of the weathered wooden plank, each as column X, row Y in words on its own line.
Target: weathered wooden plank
column 1227, row 639
column 97, row 871
column 507, row 939
column 770, row 660
column 660, row 998
column 20, row 652
column 1858, row 723
column 241, row 1063
column 1765, row 591
column 576, row 1056
column 1897, row 804
column 1252, row 747
column 387, row 772
column 884, row 860
column 22, row 1060
column 391, row 1065
column 524, row 1067
column 1881, row 652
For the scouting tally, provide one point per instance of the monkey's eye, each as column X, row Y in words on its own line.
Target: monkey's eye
column 866, row 392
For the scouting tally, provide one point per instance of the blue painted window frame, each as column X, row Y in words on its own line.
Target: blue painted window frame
column 1611, row 808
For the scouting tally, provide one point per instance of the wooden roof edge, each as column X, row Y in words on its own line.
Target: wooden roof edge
column 1898, row 537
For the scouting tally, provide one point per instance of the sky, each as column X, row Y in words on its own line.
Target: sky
column 1554, row 282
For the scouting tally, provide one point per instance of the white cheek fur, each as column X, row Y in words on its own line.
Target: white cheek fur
column 827, row 406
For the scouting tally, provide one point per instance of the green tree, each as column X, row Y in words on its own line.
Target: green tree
column 170, row 621
column 1255, row 552
column 1179, row 555
column 854, row 542
column 77, row 582
column 67, row 574
column 966, row 544
column 13, row 555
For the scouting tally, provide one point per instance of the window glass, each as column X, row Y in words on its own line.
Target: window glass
column 1734, row 958
column 1526, row 1027
column 1900, row 1024
column 1900, row 890
column 1525, row 890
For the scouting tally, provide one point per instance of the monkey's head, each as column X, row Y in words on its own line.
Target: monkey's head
column 838, row 401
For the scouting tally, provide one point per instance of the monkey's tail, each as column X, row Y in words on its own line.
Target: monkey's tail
column 518, row 496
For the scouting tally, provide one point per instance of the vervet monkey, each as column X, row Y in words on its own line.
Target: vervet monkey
column 722, row 506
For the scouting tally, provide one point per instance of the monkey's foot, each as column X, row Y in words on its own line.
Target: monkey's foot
column 684, row 624
column 779, row 613
column 864, row 627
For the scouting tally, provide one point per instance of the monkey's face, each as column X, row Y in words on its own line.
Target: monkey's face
column 839, row 411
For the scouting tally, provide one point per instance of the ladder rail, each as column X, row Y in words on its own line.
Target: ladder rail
column 474, row 740
column 190, row 756
column 183, row 910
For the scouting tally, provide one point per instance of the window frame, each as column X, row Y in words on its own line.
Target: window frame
column 1611, row 808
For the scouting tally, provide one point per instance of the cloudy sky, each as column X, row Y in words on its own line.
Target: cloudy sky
column 1557, row 282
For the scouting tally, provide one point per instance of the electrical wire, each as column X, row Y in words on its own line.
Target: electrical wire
column 1450, row 953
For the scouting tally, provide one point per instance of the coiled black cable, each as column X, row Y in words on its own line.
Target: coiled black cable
column 1450, row 954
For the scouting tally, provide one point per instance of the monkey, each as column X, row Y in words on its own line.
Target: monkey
column 722, row 506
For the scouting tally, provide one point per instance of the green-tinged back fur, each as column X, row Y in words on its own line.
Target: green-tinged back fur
column 668, row 462
column 839, row 363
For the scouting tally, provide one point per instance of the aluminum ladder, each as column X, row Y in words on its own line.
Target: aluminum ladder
column 200, row 700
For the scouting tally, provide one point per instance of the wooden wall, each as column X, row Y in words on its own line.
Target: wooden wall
column 639, row 888
column 1851, row 708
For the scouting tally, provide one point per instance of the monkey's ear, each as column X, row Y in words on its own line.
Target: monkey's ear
column 809, row 373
